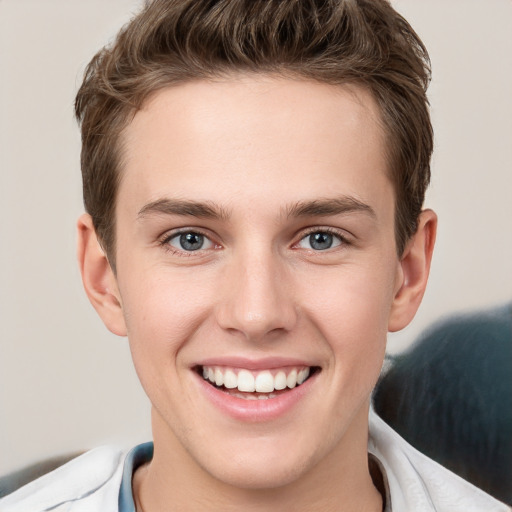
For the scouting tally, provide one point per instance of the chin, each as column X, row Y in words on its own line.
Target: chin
column 258, row 475
column 268, row 463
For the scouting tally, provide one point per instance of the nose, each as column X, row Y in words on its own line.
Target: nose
column 257, row 297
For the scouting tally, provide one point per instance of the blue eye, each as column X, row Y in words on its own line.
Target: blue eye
column 320, row 241
column 190, row 241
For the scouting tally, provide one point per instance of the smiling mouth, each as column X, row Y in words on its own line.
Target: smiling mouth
column 256, row 385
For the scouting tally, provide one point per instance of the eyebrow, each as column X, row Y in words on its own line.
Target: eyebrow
column 206, row 210
column 330, row 206
column 209, row 210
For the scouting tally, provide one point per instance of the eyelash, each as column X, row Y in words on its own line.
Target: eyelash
column 344, row 241
column 165, row 240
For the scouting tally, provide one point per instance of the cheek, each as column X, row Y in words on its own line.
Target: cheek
column 351, row 311
column 163, row 310
column 164, row 301
column 353, row 298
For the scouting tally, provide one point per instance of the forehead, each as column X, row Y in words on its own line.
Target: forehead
column 248, row 136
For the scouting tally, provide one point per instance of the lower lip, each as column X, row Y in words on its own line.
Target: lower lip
column 256, row 411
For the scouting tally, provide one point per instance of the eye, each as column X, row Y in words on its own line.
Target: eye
column 320, row 241
column 189, row 241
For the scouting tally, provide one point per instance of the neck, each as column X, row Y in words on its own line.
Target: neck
column 341, row 481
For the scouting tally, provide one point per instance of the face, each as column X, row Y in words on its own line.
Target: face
column 257, row 273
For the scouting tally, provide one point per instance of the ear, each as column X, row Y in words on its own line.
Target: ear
column 98, row 278
column 413, row 272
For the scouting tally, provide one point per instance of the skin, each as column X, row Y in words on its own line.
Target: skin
column 262, row 153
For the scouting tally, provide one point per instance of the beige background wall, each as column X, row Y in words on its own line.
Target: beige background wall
column 65, row 382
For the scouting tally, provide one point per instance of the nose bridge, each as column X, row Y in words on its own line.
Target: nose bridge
column 257, row 299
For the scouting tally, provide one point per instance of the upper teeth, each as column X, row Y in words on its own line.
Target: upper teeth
column 262, row 382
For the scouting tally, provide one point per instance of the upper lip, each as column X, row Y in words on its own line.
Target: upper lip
column 266, row 363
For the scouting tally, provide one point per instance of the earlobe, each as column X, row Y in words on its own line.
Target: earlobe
column 98, row 277
column 414, row 270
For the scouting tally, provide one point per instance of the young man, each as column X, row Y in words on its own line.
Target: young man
column 254, row 174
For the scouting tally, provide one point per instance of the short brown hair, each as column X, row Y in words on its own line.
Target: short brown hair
column 362, row 42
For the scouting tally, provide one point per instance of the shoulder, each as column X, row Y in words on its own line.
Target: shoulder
column 88, row 483
column 418, row 483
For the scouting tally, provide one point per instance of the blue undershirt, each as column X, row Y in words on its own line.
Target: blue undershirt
column 136, row 457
